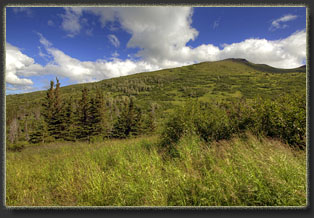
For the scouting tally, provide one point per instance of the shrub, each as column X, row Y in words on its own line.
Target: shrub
column 283, row 118
column 178, row 124
column 213, row 124
column 173, row 130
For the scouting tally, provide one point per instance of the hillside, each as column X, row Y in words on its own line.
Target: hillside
column 226, row 79
column 224, row 133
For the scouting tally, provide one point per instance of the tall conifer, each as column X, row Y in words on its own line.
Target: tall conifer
column 48, row 108
column 83, row 123
column 97, row 112
column 58, row 116
column 128, row 121
column 69, row 116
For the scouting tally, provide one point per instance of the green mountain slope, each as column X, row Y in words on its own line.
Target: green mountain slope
column 207, row 81
column 267, row 68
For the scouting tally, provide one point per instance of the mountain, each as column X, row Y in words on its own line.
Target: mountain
column 267, row 68
column 207, row 81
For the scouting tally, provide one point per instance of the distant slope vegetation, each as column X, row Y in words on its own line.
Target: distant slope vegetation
column 207, row 81
column 267, row 68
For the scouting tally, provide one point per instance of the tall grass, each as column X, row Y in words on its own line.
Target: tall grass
column 135, row 172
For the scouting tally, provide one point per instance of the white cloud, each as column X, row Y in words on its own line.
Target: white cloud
column 88, row 71
column 278, row 23
column 71, row 21
column 19, row 65
column 43, row 40
column 159, row 32
column 114, row 40
column 285, row 53
column 162, row 33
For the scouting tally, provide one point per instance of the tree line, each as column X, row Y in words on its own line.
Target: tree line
column 90, row 118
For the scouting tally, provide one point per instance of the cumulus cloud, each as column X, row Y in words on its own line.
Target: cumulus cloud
column 162, row 33
column 88, row 71
column 279, row 23
column 285, row 53
column 159, row 32
column 114, row 40
column 19, row 65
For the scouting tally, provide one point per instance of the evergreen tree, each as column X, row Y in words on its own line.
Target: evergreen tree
column 57, row 119
column 39, row 134
column 83, row 130
column 148, row 123
column 98, row 121
column 48, row 107
column 53, row 111
column 68, row 133
column 128, row 121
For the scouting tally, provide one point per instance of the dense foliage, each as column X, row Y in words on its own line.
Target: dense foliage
column 283, row 118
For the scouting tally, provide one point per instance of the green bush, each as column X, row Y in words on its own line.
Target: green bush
column 283, row 117
column 213, row 124
column 173, row 130
column 180, row 123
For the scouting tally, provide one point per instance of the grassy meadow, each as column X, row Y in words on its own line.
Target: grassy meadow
column 225, row 133
column 245, row 171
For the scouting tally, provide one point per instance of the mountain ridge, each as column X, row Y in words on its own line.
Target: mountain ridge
column 206, row 81
column 267, row 68
column 259, row 67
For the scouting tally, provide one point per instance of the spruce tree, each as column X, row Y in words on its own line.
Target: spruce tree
column 83, row 122
column 128, row 120
column 48, row 108
column 148, row 123
column 52, row 111
column 57, row 119
column 68, row 133
column 39, row 134
column 97, row 112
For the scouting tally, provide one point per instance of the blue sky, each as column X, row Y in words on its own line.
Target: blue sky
column 90, row 44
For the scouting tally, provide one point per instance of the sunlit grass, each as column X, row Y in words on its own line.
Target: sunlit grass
column 136, row 172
